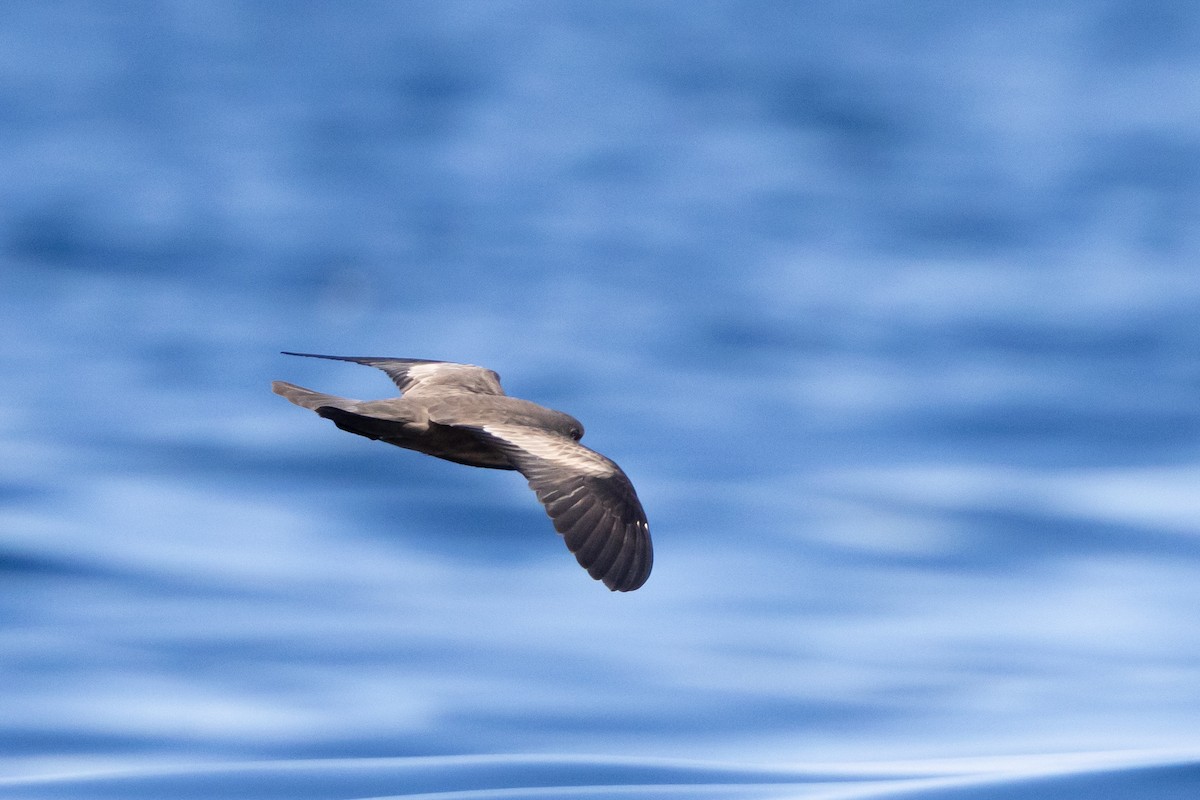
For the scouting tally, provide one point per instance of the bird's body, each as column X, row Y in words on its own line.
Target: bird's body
column 458, row 412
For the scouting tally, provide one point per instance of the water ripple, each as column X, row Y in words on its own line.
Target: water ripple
column 1148, row 776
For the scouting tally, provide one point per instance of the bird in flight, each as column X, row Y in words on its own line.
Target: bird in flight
column 459, row 412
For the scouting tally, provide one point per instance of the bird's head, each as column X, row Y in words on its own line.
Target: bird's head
column 570, row 427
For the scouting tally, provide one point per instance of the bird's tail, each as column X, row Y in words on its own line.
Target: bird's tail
column 343, row 412
column 307, row 398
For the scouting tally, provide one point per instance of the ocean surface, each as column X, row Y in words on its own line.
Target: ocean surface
column 891, row 312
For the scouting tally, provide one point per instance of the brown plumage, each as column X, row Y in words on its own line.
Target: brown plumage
column 459, row 412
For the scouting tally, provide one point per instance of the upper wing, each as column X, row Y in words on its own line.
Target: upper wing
column 414, row 375
column 589, row 499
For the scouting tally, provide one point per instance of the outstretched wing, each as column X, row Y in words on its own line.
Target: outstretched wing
column 417, row 376
column 589, row 499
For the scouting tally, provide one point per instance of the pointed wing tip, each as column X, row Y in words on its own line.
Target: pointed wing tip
column 352, row 359
column 311, row 355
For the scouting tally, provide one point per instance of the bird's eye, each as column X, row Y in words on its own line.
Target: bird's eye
column 576, row 434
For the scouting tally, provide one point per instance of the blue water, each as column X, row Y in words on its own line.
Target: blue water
column 891, row 311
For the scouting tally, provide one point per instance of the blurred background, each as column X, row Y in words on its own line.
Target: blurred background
column 891, row 311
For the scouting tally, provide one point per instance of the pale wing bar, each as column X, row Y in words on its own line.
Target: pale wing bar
column 414, row 375
column 590, row 501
